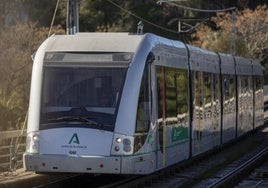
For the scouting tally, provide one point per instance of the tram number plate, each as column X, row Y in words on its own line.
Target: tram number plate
column 72, row 152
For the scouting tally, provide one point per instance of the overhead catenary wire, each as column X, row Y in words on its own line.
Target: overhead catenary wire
column 142, row 19
column 201, row 10
column 174, row 4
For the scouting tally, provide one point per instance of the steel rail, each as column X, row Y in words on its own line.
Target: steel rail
column 234, row 176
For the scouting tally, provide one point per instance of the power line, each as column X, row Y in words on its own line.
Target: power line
column 233, row 43
column 142, row 19
column 199, row 10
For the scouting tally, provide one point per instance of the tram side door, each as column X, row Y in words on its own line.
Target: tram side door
column 146, row 124
column 154, row 107
column 158, row 113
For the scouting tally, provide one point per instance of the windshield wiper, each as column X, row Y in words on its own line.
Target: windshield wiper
column 75, row 119
column 80, row 119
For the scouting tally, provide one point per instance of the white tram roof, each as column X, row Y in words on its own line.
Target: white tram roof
column 257, row 67
column 227, row 63
column 243, row 66
column 203, row 60
column 200, row 59
column 101, row 42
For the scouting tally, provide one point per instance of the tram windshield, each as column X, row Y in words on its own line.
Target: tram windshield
column 81, row 96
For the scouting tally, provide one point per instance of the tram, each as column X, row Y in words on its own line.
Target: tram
column 118, row 103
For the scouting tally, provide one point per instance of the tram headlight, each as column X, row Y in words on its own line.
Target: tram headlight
column 126, row 145
column 116, row 148
column 118, row 140
column 122, row 145
column 32, row 143
column 35, row 137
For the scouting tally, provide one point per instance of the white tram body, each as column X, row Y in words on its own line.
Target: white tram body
column 133, row 104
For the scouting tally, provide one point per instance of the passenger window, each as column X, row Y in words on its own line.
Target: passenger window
column 198, row 95
column 161, row 95
column 176, row 96
column 182, row 96
column 207, row 96
column 143, row 114
column 172, row 91
column 143, row 111
column 171, row 96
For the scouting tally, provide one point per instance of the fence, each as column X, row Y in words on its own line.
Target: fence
column 12, row 147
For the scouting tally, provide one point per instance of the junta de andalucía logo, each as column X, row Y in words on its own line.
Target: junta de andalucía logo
column 74, row 139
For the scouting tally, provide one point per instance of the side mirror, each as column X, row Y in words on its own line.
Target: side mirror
column 33, row 55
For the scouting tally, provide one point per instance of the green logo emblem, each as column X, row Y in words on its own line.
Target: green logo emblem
column 179, row 133
column 74, row 139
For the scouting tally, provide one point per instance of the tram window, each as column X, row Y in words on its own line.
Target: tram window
column 198, row 94
column 143, row 111
column 171, row 96
column 182, row 96
column 172, row 87
column 216, row 95
column 216, row 87
column 81, row 92
column 160, row 74
column 229, row 93
column 232, row 87
column 259, row 83
column 207, row 89
column 226, row 87
column 229, row 87
column 172, row 91
column 143, row 117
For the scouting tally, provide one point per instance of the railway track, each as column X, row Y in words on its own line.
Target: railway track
column 218, row 169
column 198, row 172
column 257, row 178
column 231, row 178
column 189, row 174
column 213, row 171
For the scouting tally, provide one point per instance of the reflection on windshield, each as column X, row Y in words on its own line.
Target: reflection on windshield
column 89, row 93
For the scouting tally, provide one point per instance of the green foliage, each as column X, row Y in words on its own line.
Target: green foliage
column 248, row 32
column 17, row 43
column 15, row 68
column 19, row 40
column 41, row 12
column 120, row 15
column 97, row 14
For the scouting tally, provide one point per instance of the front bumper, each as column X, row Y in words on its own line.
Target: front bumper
column 72, row 164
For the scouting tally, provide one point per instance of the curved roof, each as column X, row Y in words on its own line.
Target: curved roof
column 94, row 42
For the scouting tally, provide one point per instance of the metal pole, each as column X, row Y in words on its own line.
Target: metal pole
column 67, row 18
column 72, row 22
column 76, row 16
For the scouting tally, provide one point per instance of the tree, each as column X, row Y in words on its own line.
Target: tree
column 12, row 11
column 21, row 37
column 18, row 42
column 41, row 12
column 249, row 32
column 119, row 15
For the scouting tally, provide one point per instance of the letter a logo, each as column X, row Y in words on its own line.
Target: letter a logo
column 74, row 139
